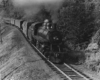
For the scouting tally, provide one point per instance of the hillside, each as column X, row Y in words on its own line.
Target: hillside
column 18, row 61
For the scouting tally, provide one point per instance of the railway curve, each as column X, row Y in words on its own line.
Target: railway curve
column 64, row 70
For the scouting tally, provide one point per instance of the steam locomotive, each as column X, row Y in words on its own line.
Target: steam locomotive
column 44, row 36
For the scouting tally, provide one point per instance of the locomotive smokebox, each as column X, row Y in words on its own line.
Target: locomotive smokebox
column 55, row 37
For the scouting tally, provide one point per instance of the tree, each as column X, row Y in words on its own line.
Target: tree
column 76, row 21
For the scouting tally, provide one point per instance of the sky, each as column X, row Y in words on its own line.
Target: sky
column 32, row 7
column 34, row 2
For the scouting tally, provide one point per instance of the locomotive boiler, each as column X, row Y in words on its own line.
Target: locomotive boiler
column 44, row 32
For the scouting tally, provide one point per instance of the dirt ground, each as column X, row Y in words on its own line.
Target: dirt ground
column 18, row 61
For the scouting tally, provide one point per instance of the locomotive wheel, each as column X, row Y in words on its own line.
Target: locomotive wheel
column 38, row 44
column 46, row 55
column 46, row 51
column 41, row 47
column 34, row 42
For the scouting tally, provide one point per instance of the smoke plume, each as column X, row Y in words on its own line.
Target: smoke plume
column 32, row 7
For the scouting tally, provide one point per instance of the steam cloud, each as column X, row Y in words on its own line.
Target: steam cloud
column 32, row 7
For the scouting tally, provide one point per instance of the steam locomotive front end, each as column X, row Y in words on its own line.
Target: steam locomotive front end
column 55, row 37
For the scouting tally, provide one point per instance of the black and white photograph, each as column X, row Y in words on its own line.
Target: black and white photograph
column 49, row 40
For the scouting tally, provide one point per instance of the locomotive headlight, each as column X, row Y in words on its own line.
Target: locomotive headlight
column 55, row 38
column 42, row 46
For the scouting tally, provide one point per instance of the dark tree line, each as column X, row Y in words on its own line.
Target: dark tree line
column 77, row 21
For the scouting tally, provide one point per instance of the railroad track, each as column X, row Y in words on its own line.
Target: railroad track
column 64, row 70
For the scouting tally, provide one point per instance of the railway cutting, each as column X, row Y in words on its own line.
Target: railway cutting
column 48, row 43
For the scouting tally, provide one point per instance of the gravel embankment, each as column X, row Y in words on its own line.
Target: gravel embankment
column 18, row 61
